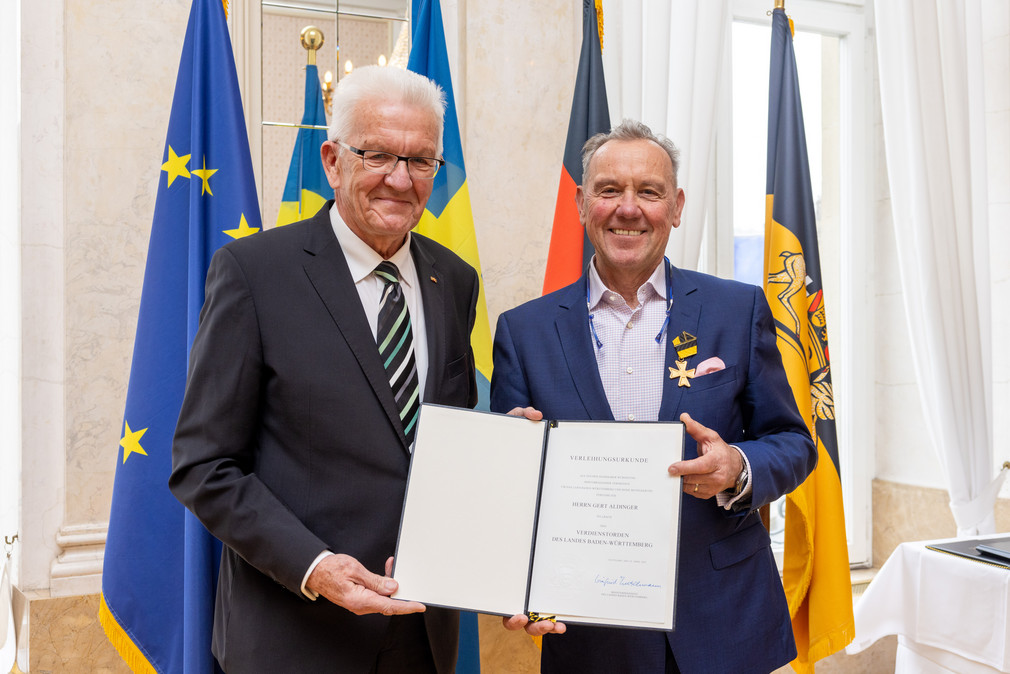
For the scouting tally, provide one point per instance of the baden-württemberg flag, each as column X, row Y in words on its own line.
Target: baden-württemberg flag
column 816, row 561
column 448, row 219
column 570, row 249
column 161, row 565
column 306, row 189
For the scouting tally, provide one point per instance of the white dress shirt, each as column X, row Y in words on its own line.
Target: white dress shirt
column 631, row 362
column 362, row 261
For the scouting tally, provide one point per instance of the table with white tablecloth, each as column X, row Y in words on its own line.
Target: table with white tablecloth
column 949, row 613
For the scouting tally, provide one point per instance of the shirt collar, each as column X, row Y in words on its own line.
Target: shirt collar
column 362, row 259
column 657, row 282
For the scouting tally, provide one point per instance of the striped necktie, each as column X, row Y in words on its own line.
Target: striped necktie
column 396, row 347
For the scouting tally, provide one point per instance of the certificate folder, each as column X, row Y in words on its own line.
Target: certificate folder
column 983, row 550
column 577, row 520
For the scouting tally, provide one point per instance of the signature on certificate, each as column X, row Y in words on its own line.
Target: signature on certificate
column 622, row 581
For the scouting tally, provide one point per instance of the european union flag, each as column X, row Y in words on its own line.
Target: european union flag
column 160, row 564
column 306, row 189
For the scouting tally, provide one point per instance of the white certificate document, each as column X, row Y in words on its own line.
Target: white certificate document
column 609, row 519
column 577, row 520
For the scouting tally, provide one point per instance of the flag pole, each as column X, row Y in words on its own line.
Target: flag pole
column 780, row 4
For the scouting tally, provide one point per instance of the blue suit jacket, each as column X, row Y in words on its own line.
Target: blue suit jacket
column 731, row 613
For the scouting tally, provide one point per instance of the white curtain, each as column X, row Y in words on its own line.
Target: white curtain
column 662, row 62
column 932, row 98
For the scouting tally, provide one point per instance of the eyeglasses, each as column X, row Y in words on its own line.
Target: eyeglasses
column 375, row 161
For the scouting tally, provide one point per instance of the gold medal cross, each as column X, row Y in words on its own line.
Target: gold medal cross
column 681, row 371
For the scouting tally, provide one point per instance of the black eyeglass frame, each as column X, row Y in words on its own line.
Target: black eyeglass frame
column 439, row 163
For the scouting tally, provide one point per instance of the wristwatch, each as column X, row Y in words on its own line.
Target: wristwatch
column 741, row 479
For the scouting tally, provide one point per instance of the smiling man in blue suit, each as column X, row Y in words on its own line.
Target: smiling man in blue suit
column 637, row 339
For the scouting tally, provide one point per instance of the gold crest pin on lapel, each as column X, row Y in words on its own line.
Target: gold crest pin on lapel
column 686, row 345
column 433, row 279
column 681, row 371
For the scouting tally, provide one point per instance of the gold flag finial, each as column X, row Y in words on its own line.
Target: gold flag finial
column 780, row 4
column 312, row 40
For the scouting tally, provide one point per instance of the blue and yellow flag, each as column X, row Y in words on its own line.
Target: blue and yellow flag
column 161, row 565
column 306, row 189
column 816, row 561
column 448, row 219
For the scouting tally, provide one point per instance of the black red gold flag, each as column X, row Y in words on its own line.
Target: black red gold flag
column 570, row 249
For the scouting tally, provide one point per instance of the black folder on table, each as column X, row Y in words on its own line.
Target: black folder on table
column 992, row 551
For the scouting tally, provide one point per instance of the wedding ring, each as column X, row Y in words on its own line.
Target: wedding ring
column 696, row 487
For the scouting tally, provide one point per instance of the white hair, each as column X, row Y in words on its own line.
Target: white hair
column 370, row 85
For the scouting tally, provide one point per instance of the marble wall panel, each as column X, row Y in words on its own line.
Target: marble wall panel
column 121, row 63
column 521, row 59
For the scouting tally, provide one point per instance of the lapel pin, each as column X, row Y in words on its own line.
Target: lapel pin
column 686, row 345
column 433, row 279
column 683, row 373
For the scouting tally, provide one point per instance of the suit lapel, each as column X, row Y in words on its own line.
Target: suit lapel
column 684, row 317
column 573, row 331
column 433, row 297
column 327, row 270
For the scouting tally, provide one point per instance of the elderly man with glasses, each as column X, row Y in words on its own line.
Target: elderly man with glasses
column 316, row 344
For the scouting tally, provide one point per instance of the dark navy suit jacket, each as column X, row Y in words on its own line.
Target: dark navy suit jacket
column 731, row 613
column 289, row 441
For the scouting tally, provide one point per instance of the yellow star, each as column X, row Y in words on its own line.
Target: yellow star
column 131, row 442
column 205, row 174
column 243, row 229
column 176, row 166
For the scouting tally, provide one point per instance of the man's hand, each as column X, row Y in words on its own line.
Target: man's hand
column 345, row 582
column 716, row 467
column 528, row 412
column 537, row 629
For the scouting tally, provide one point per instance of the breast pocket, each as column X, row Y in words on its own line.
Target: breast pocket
column 713, row 380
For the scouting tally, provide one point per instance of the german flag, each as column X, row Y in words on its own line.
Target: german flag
column 570, row 249
column 816, row 561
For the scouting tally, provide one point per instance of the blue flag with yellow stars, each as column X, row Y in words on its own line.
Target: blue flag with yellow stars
column 161, row 565
column 306, row 189
column 448, row 219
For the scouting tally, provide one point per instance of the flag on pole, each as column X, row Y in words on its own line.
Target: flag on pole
column 161, row 565
column 448, row 219
column 306, row 189
column 816, row 560
column 570, row 249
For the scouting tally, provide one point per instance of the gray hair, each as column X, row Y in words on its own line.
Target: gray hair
column 369, row 85
column 629, row 129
